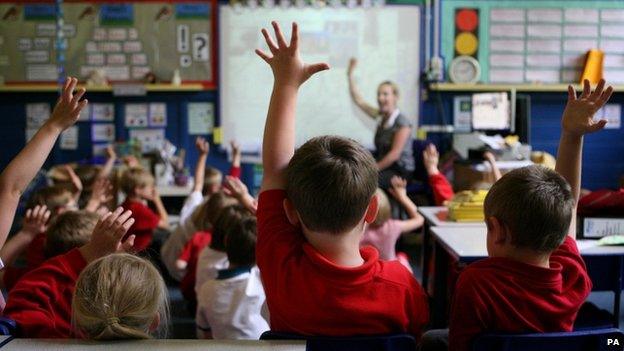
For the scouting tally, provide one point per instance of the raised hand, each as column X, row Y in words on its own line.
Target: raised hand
column 579, row 112
column 352, row 65
column 100, row 194
column 110, row 152
column 234, row 187
column 74, row 178
column 236, row 150
column 399, row 187
column 288, row 68
column 108, row 234
column 68, row 106
column 431, row 159
column 36, row 220
column 202, row 146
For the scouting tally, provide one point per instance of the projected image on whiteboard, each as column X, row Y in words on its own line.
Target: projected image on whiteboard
column 385, row 41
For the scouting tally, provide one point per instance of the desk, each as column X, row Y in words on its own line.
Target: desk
column 174, row 190
column 468, row 244
column 436, row 216
column 165, row 344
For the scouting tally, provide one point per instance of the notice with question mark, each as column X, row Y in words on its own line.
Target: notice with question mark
column 200, row 47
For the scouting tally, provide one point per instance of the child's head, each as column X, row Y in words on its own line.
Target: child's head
column 387, row 96
column 240, row 242
column 330, row 183
column 528, row 208
column 57, row 198
column 227, row 219
column 204, row 217
column 69, row 230
column 120, row 296
column 137, row 182
column 212, row 181
column 385, row 212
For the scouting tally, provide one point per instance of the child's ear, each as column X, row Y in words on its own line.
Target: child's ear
column 291, row 212
column 155, row 323
column 497, row 229
column 371, row 211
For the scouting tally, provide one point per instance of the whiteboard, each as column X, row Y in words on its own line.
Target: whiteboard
column 385, row 40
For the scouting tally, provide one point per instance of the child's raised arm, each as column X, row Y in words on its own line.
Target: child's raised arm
column 491, row 159
column 289, row 72
column 27, row 163
column 577, row 121
column 203, row 148
column 111, row 157
column 399, row 191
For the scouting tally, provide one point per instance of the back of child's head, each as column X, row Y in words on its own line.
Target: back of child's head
column 228, row 218
column 87, row 174
column 134, row 178
column 385, row 212
column 69, row 230
column 57, row 198
column 330, row 181
column 120, row 296
column 212, row 181
column 535, row 204
column 240, row 242
column 205, row 215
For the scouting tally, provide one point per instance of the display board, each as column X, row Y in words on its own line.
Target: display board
column 124, row 40
column 541, row 41
column 385, row 40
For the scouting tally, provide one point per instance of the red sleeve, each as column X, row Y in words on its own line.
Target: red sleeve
column 418, row 311
column 41, row 301
column 277, row 238
column 468, row 317
column 574, row 271
column 144, row 218
column 235, row 172
column 185, row 255
column 442, row 189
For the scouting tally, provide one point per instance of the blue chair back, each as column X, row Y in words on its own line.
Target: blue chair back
column 596, row 340
column 393, row 342
column 7, row 326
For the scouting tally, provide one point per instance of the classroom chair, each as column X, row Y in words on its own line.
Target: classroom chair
column 596, row 339
column 391, row 342
column 7, row 326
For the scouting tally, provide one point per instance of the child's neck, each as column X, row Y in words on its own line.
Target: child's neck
column 135, row 198
column 342, row 249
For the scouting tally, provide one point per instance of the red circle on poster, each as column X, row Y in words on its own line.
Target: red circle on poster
column 466, row 20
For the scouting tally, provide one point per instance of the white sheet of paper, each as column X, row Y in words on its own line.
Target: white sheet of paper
column 36, row 114
column 537, row 45
column 507, row 30
column 544, row 31
column 150, row 139
column 612, row 46
column 545, row 15
column 612, row 113
column 490, row 111
column 506, row 15
column 506, row 60
column 103, row 132
column 616, row 61
column 548, row 61
column 158, row 114
column 581, row 15
column 69, row 138
column 99, row 149
column 45, row 72
column 136, row 115
column 612, row 15
column 612, row 30
column 507, row 45
column 543, row 75
column 85, row 114
column 103, row 112
column 200, row 117
column 585, row 30
column 506, row 75
column 579, row 45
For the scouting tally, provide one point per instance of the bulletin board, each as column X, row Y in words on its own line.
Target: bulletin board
column 539, row 41
column 126, row 40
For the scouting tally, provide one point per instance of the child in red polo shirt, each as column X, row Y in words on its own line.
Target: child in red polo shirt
column 40, row 302
column 138, row 185
column 535, row 279
column 313, row 208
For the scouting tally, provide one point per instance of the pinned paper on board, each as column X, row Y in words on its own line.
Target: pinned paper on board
column 158, row 114
column 69, row 139
column 149, row 139
column 490, row 111
column 37, row 114
column 612, row 113
column 136, row 115
column 200, row 118
column 85, row 114
column 103, row 132
column 103, row 112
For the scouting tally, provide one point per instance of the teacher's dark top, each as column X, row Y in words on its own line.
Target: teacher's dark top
column 385, row 135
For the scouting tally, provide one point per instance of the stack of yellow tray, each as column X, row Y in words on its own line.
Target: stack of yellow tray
column 467, row 206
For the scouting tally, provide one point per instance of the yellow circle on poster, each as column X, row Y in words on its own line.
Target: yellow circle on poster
column 466, row 43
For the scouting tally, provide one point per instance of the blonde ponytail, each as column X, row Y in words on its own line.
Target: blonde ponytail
column 118, row 297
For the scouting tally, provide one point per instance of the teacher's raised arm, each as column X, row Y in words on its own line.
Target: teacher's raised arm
column 393, row 137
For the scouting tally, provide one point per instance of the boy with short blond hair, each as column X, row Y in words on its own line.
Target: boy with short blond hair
column 535, row 279
column 69, row 230
column 313, row 208
column 138, row 185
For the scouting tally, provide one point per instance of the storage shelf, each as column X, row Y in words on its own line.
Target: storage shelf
column 508, row 87
column 37, row 88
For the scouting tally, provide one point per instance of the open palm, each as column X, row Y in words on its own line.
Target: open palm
column 579, row 112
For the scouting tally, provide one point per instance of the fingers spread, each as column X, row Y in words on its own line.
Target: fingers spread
column 269, row 41
column 263, row 56
column 571, row 93
column 294, row 36
column 281, row 42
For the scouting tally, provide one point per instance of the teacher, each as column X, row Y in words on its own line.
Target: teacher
column 393, row 138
